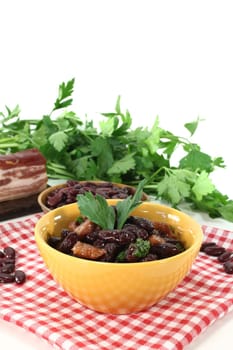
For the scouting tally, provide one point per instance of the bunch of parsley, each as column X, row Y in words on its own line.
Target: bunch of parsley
column 77, row 149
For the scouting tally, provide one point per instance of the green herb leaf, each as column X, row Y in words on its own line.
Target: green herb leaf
column 197, row 160
column 153, row 140
column 122, row 165
column 203, row 186
column 125, row 207
column 58, row 140
column 97, row 210
column 192, row 127
column 11, row 113
column 107, row 127
column 226, row 211
column 64, row 92
column 118, row 107
column 121, row 257
column 176, row 185
column 142, row 248
column 213, row 203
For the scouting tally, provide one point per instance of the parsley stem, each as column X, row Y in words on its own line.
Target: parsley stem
column 155, row 174
column 8, row 144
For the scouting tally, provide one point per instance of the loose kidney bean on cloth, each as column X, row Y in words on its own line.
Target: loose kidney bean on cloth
column 42, row 307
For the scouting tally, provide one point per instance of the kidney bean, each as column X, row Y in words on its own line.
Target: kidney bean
column 68, row 242
column 6, row 277
column 54, row 241
column 4, row 261
column 99, row 243
column 228, row 267
column 164, row 250
column 64, row 233
column 130, row 254
column 7, row 267
column 137, row 230
column 112, row 250
column 207, row 244
column 19, row 277
column 141, row 222
column 117, row 236
column 225, row 256
column 214, row 250
column 150, row 257
column 9, row 252
column 93, row 236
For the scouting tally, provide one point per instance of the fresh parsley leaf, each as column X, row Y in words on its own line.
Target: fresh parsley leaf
column 83, row 168
column 141, row 248
column 212, row 204
column 122, row 165
column 96, row 209
column 11, row 113
column 118, row 105
column 58, row 140
column 121, row 257
column 219, row 162
column 169, row 146
column 126, row 122
column 101, row 149
column 202, row 186
column 197, row 160
column 192, row 127
column 112, row 126
column 125, row 207
column 226, row 211
column 108, row 126
column 176, row 185
column 64, row 92
column 154, row 137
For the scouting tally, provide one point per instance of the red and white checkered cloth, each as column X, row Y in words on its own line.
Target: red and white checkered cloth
column 42, row 307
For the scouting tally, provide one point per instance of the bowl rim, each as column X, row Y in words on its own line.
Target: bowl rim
column 197, row 243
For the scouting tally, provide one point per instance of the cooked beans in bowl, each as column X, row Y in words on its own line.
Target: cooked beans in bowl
column 59, row 195
column 139, row 240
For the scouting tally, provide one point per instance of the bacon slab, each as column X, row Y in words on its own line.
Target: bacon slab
column 22, row 174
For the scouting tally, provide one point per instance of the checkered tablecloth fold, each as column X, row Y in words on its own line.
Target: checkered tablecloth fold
column 42, row 307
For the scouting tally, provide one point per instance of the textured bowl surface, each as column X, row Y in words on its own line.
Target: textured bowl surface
column 42, row 197
column 119, row 288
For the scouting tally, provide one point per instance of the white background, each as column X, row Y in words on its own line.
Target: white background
column 173, row 59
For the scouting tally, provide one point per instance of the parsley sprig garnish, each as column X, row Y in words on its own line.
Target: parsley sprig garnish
column 96, row 208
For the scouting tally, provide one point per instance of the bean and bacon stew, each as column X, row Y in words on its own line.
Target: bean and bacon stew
column 138, row 240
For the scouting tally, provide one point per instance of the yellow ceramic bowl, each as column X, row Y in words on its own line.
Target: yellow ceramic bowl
column 42, row 197
column 119, row 288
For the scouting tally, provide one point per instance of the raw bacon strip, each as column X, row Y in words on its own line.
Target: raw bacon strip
column 22, row 174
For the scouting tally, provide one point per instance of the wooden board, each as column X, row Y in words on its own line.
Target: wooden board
column 19, row 207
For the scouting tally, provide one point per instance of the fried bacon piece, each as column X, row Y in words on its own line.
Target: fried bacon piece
column 164, row 228
column 87, row 251
column 83, row 229
column 156, row 239
column 22, row 174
